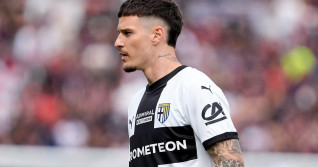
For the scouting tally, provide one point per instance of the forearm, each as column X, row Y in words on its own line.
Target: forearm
column 227, row 154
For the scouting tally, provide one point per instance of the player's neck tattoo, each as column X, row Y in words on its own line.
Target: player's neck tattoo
column 168, row 57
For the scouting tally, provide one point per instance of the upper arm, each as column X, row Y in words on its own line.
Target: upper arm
column 208, row 112
column 227, row 153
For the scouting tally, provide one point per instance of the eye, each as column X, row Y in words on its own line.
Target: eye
column 127, row 33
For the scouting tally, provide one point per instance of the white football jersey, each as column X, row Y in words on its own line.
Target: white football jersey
column 172, row 122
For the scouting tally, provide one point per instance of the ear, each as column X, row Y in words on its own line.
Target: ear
column 158, row 35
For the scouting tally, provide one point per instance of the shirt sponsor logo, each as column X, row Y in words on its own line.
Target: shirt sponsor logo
column 213, row 116
column 144, row 117
column 163, row 112
column 157, row 148
column 144, row 120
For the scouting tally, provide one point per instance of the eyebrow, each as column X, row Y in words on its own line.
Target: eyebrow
column 124, row 30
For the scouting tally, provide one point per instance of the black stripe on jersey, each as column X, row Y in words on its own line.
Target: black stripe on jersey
column 145, row 114
column 162, row 148
column 151, row 146
column 228, row 135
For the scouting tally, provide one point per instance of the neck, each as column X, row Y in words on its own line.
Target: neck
column 162, row 64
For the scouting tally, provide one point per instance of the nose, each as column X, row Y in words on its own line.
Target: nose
column 118, row 43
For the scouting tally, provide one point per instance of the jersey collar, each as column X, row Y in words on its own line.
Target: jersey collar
column 163, row 81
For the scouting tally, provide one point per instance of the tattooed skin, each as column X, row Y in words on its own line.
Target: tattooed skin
column 227, row 153
column 168, row 57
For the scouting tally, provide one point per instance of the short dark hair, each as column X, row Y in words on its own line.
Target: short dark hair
column 167, row 10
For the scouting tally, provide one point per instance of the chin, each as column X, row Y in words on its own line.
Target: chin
column 129, row 69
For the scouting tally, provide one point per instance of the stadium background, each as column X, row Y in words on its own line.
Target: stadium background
column 62, row 86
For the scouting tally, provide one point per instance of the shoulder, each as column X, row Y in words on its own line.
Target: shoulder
column 194, row 78
column 193, row 72
column 190, row 75
column 198, row 84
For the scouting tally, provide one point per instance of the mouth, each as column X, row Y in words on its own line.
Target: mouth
column 123, row 55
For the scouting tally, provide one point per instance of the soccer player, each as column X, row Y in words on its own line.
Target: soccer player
column 181, row 118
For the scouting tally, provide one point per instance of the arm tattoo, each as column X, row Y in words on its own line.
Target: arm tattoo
column 227, row 153
column 167, row 56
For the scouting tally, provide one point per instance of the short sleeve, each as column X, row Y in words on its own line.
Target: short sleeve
column 208, row 112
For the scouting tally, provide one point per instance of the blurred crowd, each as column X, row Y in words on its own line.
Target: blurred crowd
column 62, row 83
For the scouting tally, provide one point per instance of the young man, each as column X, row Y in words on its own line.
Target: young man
column 181, row 118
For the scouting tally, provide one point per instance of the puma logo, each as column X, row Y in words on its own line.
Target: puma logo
column 207, row 88
column 130, row 122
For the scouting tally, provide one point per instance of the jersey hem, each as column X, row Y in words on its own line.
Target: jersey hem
column 228, row 135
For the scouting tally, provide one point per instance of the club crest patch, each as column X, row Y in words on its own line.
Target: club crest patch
column 163, row 112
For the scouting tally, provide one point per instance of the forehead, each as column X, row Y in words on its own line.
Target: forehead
column 129, row 22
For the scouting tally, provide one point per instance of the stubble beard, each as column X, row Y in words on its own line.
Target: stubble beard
column 129, row 69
